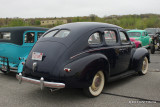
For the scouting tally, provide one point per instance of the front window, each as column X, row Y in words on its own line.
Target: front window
column 5, row 35
column 138, row 34
column 124, row 38
column 29, row 37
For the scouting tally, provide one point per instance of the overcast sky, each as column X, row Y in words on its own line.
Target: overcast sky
column 67, row 8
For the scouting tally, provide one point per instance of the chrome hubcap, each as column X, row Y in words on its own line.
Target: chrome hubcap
column 145, row 65
column 96, row 82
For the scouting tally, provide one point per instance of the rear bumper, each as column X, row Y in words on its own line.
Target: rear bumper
column 40, row 82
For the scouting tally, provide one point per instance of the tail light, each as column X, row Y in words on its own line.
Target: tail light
column 67, row 69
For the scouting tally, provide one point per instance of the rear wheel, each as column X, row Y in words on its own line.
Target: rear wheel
column 144, row 68
column 97, row 85
column 5, row 72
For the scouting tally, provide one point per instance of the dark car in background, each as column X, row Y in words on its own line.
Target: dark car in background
column 154, row 34
column 83, row 55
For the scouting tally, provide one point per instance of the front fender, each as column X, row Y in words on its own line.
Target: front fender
column 138, row 56
column 84, row 69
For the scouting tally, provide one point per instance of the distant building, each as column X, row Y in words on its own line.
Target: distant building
column 51, row 22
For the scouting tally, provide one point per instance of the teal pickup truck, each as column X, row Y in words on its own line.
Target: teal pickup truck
column 142, row 36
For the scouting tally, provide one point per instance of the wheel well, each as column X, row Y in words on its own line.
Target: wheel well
column 104, row 66
column 148, row 58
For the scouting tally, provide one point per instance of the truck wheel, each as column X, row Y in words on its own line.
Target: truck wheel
column 97, row 85
column 5, row 72
column 152, row 49
column 144, row 68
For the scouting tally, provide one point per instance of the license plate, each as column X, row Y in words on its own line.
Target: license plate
column 37, row 56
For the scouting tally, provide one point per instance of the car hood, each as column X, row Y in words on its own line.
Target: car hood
column 52, row 52
column 135, row 38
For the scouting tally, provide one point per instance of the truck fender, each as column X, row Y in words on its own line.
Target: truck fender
column 20, row 66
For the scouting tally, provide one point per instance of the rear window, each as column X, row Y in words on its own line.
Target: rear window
column 5, row 35
column 60, row 34
column 50, row 34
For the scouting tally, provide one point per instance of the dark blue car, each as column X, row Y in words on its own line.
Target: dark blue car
column 83, row 55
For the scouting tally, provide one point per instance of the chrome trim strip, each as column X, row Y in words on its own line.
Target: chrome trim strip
column 97, row 49
column 40, row 82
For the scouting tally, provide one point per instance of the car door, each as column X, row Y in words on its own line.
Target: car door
column 147, row 37
column 29, row 38
column 117, row 54
column 143, row 39
column 124, row 51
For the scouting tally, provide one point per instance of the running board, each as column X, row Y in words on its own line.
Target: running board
column 123, row 75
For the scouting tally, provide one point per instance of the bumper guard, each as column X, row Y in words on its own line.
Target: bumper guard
column 40, row 82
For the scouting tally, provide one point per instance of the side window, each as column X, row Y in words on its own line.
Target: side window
column 95, row 39
column 110, row 37
column 143, row 34
column 39, row 34
column 5, row 35
column 123, row 37
column 29, row 37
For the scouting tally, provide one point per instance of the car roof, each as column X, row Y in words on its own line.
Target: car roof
column 17, row 33
column 77, row 30
column 84, row 25
column 22, row 28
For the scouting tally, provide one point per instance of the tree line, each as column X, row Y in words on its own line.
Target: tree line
column 141, row 21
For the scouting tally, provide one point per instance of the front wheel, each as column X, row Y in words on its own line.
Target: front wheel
column 97, row 85
column 144, row 68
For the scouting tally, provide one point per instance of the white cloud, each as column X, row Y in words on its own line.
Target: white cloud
column 66, row 8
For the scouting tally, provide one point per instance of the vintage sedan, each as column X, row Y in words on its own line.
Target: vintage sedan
column 15, row 45
column 83, row 55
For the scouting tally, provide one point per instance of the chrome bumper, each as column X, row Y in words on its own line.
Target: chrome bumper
column 40, row 82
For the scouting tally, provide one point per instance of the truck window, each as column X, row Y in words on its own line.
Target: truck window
column 29, row 37
column 5, row 35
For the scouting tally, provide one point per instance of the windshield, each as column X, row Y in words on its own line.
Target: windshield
column 138, row 34
column 151, row 31
column 5, row 35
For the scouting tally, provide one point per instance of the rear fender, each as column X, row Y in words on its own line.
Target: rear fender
column 85, row 68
